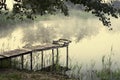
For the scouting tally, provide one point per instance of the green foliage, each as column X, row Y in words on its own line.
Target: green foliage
column 29, row 8
column 10, row 77
column 99, row 9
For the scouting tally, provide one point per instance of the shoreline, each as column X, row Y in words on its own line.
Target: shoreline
column 12, row 74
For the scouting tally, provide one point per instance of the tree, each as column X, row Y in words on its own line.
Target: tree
column 29, row 8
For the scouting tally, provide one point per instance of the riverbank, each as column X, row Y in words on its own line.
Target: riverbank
column 10, row 74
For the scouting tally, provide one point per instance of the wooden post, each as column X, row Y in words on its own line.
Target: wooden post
column 41, row 59
column 10, row 62
column 67, row 55
column 57, row 56
column 22, row 61
column 52, row 57
column 1, row 63
column 31, row 67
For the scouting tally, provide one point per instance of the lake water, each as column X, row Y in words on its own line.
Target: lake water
column 90, row 39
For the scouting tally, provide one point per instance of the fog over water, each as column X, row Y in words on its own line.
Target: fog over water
column 90, row 39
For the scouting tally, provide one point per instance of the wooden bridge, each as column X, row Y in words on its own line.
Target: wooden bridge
column 29, row 50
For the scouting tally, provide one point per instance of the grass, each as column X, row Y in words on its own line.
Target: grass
column 76, row 72
column 27, row 75
column 106, row 73
column 13, row 72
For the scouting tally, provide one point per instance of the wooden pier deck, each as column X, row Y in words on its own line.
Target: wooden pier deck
column 14, row 53
column 30, row 49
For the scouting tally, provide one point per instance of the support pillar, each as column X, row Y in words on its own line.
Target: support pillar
column 42, row 60
column 52, row 56
column 52, row 59
column 1, row 63
column 67, row 55
column 31, row 65
column 10, row 62
column 57, row 56
column 22, row 61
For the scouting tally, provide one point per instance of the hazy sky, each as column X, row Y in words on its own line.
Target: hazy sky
column 9, row 4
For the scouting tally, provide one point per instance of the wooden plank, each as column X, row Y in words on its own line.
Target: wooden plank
column 63, row 42
column 1, row 57
column 28, row 50
column 44, row 47
column 14, row 53
column 19, row 52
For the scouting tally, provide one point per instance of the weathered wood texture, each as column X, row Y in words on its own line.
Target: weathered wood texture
column 28, row 50
column 44, row 47
column 19, row 52
column 14, row 53
column 25, row 50
column 1, row 57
